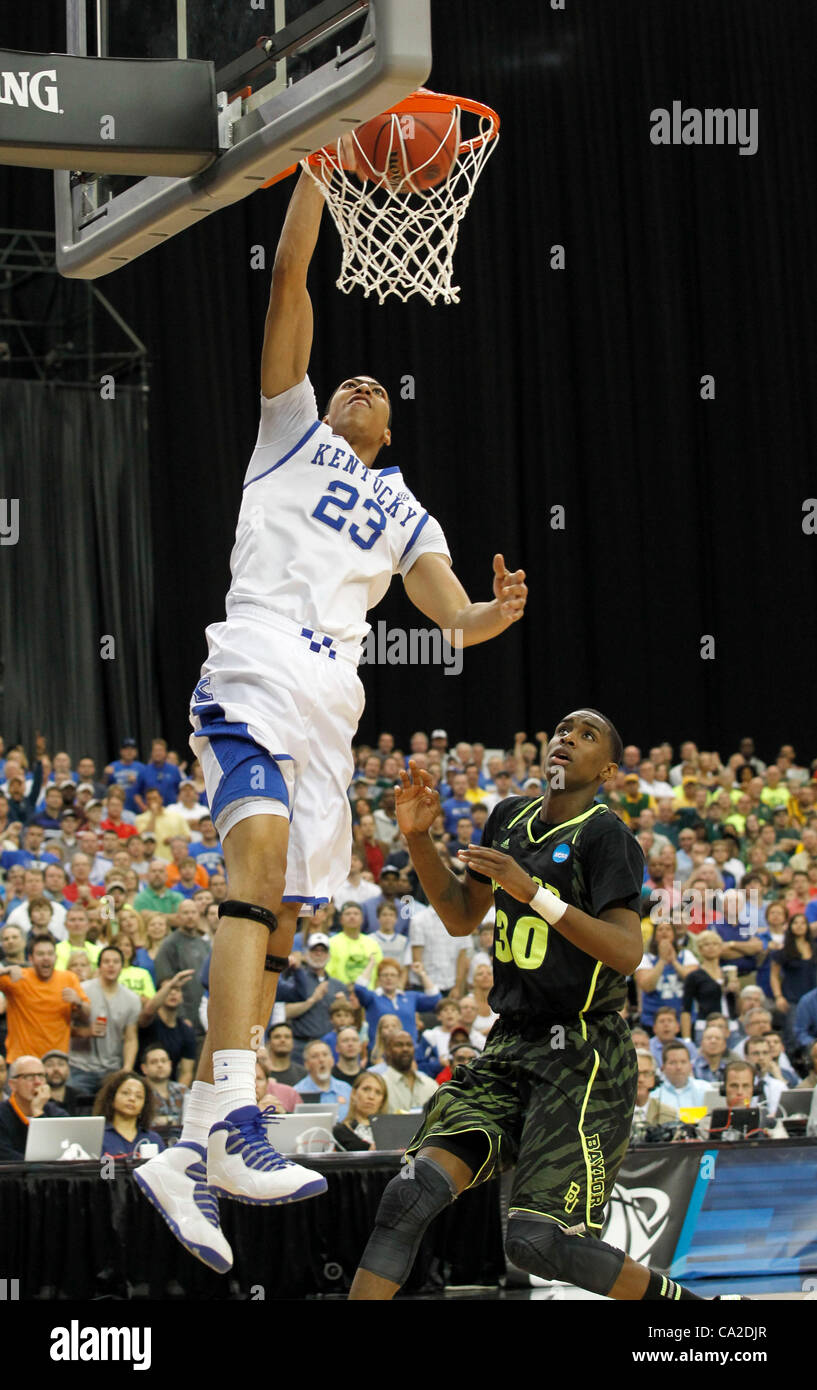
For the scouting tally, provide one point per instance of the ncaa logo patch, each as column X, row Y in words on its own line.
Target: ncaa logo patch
column 561, row 853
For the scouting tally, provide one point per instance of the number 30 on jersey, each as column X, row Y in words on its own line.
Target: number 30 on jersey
column 528, row 941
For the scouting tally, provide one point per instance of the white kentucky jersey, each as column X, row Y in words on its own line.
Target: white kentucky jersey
column 319, row 534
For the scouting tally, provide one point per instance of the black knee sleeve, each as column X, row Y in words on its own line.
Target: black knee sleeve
column 542, row 1248
column 408, row 1205
column 233, row 908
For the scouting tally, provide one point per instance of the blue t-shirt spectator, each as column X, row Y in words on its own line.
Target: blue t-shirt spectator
column 670, row 988
column 27, row 859
column 164, row 779
column 805, row 1020
column 336, row 1092
column 403, row 906
column 126, row 776
column 211, row 857
column 454, row 810
column 405, row 1003
column 115, row 1145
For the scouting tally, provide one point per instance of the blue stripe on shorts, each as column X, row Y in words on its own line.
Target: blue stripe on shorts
column 247, row 768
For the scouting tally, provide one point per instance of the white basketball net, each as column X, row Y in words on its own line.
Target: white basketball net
column 397, row 238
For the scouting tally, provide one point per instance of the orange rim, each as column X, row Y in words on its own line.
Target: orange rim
column 423, row 99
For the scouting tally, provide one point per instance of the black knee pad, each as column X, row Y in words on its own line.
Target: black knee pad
column 254, row 913
column 410, row 1202
column 542, row 1248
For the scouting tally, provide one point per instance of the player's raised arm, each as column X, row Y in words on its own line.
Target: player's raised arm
column 288, row 329
column 460, row 906
column 433, row 587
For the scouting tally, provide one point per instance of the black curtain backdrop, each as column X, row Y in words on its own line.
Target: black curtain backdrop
column 577, row 388
column 76, row 599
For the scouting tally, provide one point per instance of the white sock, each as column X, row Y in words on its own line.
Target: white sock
column 234, row 1077
column 200, row 1113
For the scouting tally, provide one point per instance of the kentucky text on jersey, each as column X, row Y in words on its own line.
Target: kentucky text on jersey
column 330, row 457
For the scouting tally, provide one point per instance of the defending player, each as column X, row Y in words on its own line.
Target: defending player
column 321, row 531
column 554, row 1090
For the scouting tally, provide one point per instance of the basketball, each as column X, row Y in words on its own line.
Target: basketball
column 419, row 149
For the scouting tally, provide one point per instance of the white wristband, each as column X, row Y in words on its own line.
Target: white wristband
column 548, row 906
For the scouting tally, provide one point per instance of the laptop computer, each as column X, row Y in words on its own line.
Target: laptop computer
column 795, row 1103
column 329, row 1108
column 299, row 1133
column 394, row 1132
column 67, row 1138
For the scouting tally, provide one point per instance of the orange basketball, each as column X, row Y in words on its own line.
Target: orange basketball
column 415, row 148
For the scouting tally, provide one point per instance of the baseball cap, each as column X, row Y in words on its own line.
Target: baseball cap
column 128, row 743
column 83, row 786
column 54, row 1052
column 318, row 939
column 116, row 883
column 69, row 811
column 532, row 782
column 690, row 781
column 148, row 835
column 439, row 733
column 389, row 869
column 631, row 777
column 89, row 805
column 187, row 782
column 69, row 782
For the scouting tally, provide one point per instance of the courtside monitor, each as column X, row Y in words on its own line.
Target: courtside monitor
column 290, row 77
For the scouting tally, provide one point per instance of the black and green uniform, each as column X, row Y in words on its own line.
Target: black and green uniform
column 554, row 1090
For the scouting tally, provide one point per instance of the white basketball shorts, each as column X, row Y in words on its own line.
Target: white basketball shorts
column 273, row 717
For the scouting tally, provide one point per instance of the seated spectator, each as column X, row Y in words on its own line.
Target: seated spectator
column 195, row 875
column 392, row 890
column 207, row 851
column 665, row 1030
column 407, row 1087
column 755, row 1024
column 448, row 1016
column 387, row 1024
column 805, row 1021
column 649, row 1110
column 809, row 1082
column 57, row 1072
column 356, row 888
column 34, row 897
column 109, row 1042
column 369, row 1097
column 473, row 1021
column 389, row 939
column 388, row 998
column 161, row 1026
column 13, row 946
column 30, row 1099
column 156, row 1066
column 758, row 1054
column 485, row 1017
column 134, row 977
column 342, row 1015
column 679, row 1088
column 780, row 1066
column 742, row 945
column 160, row 775
column 81, row 890
column 42, row 1003
column 116, row 818
column 793, row 970
column 77, row 939
column 365, row 838
column 49, row 818
column 662, row 973
column 279, row 1051
column 319, row 1083
column 156, row 929
column 461, row 1053
column 80, row 965
column 349, row 950
column 271, row 1095
column 127, row 1102
column 306, row 991
column 164, row 824
column 708, row 988
column 188, row 806
column 385, row 821
column 710, row 1064
column 349, row 1053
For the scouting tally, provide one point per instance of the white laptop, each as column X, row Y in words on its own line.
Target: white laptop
column 67, row 1138
column 300, row 1133
column 329, row 1108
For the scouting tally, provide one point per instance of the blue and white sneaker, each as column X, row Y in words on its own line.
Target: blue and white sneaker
column 175, row 1182
column 242, row 1163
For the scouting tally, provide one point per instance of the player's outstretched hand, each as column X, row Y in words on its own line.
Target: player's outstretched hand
column 417, row 805
column 501, row 868
column 510, row 590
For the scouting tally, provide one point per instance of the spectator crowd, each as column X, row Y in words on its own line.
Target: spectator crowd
column 111, row 880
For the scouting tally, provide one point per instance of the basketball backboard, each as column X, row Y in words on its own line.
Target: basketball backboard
column 326, row 67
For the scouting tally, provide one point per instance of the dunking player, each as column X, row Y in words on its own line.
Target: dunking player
column 321, row 531
column 553, row 1092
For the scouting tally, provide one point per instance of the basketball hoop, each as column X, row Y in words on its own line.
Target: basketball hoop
column 399, row 223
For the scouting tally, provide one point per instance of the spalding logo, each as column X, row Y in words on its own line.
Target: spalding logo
column 561, row 853
column 24, row 88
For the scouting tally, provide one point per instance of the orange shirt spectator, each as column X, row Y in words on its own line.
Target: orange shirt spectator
column 201, row 878
column 41, row 1003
